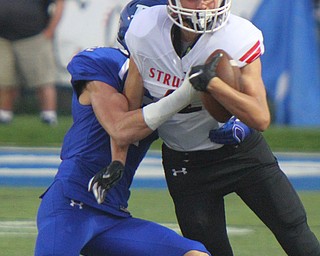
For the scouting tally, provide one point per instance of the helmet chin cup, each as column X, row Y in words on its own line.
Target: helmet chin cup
column 199, row 21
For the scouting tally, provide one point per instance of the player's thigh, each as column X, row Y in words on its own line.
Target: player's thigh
column 63, row 229
column 200, row 212
column 8, row 75
column 36, row 61
column 272, row 197
column 202, row 217
column 136, row 237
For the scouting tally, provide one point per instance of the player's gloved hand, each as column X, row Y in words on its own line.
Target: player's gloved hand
column 231, row 133
column 200, row 75
column 105, row 179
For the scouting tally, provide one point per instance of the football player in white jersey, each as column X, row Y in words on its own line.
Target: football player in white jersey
column 165, row 42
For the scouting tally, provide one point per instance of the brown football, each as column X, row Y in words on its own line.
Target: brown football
column 229, row 72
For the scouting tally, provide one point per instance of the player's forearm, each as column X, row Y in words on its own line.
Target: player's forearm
column 129, row 128
column 135, row 125
column 118, row 153
column 132, row 126
column 252, row 110
column 111, row 109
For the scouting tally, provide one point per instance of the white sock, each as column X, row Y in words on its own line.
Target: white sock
column 48, row 115
column 6, row 115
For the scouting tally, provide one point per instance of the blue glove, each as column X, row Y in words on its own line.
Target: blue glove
column 231, row 133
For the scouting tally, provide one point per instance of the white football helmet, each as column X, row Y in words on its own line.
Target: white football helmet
column 199, row 21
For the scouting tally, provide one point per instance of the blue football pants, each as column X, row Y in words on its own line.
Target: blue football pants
column 68, row 229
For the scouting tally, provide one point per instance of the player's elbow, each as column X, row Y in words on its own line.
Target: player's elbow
column 125, row 140
column 262, row 122
column 263, row 126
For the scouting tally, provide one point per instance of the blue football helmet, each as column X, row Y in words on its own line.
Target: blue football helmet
column 127, row 14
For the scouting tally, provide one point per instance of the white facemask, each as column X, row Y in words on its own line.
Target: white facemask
column 199, row 21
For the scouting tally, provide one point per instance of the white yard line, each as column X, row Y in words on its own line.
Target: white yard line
column 26, row 228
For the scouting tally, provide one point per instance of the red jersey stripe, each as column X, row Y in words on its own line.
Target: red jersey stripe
column 251, row 51
column 254, row 55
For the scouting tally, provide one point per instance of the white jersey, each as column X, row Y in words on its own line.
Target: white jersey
column 149, row 41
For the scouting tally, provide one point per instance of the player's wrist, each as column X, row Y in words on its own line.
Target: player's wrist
column 214, row 84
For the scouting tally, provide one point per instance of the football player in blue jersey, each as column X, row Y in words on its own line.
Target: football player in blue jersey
column 70, row 221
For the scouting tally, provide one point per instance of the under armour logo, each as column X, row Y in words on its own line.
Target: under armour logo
column 176, row 172
column 124, row 209
column 74, row 203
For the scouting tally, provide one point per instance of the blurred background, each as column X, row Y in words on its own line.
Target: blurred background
column 29, row 149
column 291, row 63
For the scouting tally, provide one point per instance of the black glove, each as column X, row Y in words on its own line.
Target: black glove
column 105, row 179
column 200, row 75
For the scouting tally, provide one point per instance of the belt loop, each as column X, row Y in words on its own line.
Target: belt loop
column 186, row 157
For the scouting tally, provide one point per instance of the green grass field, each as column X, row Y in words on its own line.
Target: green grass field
column 248, row 235
column 27, row 130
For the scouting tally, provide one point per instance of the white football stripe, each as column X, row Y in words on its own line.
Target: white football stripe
column 29, row 228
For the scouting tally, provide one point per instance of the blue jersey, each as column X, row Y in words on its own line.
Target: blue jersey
column 86, row 147
column 83, row 228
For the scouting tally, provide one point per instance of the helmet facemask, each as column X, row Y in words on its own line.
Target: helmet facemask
column 199, row 21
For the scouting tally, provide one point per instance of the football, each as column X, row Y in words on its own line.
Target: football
column 229, row 72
